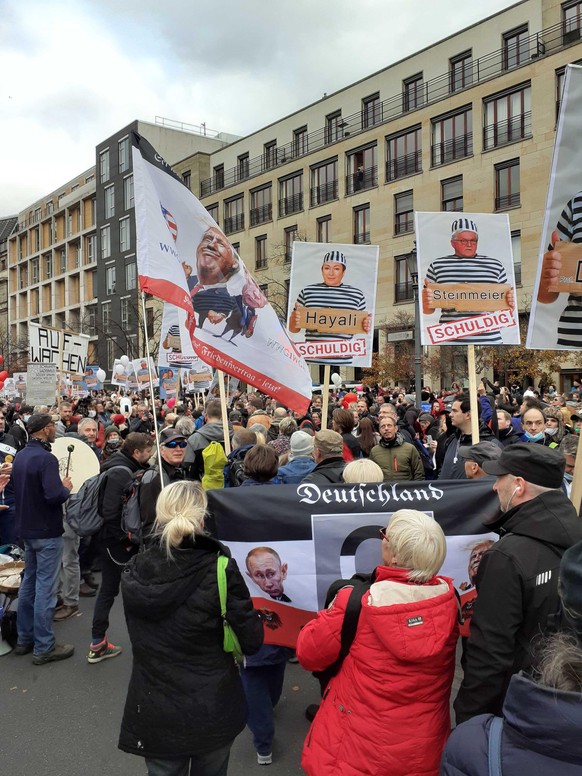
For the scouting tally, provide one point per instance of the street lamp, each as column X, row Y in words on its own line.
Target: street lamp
column 413, row 272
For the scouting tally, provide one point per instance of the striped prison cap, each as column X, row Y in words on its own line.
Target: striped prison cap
column 335, row 256
column 463, row 225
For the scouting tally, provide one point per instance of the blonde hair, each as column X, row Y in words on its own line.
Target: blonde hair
column 418, row 543
column 362, row 470
column 180, row 511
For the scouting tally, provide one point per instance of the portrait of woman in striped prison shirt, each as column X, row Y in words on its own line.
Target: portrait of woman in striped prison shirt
column 568, row 229
column 465, row 265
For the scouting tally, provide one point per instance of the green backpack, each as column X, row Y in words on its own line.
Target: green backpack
column 215, row 460
column 230, row 642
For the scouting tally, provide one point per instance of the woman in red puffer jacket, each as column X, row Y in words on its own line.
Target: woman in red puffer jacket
column 387, row 710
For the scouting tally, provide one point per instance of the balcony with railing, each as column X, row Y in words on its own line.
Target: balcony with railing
column 260, row 215
column 508, row 131
column 234, row 223
column 451, row 150
column 401, row 166
column 366, row 178
column 290, row 205
column 507, row 201
column 403, row 292
column 326, row 192
column 362, row 238
column 548, row 41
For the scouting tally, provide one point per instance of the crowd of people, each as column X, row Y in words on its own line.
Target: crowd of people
column 187, row 698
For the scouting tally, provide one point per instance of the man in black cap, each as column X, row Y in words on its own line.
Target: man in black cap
column 517, row 581
column 476, row 455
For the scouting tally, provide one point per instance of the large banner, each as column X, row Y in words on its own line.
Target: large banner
column 332, row 298
column 55, row 346
column 184, row 258
column 466, row 279
column 293, row 541
column 556, row 315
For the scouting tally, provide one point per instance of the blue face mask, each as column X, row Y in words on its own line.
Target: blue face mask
column 568, row 477
column 534, row 437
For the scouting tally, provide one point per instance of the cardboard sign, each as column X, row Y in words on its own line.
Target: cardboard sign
column 55, row 346
column 476, row 297
column 332, row 320
column 570, row 279
column 199, row 377
column 41, row 384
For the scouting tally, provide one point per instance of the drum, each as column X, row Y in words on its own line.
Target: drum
column 82, row 464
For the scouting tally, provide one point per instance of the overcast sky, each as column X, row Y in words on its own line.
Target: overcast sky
column 75, row 71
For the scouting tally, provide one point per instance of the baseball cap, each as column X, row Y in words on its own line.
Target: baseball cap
column 463, row 225
column 169, row 434
column 329, row 442
column 336, row 256
column 535, row 463
column 37, row 422
column 301, row 444
column 482, row 451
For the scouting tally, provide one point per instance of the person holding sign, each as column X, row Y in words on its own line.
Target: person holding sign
column 458, row 270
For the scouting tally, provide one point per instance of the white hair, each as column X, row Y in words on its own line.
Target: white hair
column 418, row 543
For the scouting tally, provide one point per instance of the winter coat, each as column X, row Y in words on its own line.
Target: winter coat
column 517, row 594
column 353, row 445
column 185, row 696
column 453, row 466
column 541, row 735
column 327, row 471
column 387, row 710
column 111, row 496
column 296, row 470
column 399, row 460
column 150, row 490
column 193, row 460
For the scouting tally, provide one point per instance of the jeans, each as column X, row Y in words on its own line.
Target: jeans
column 70, row 572
column 37, row 597
column 113, row 560
column 263, row 686
column 210, row 764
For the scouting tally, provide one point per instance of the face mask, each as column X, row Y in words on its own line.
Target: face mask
column 568, row 477
column 92, row 413
column 534, row 437
column 113, row 443
column 26, row 418
column 551, row 431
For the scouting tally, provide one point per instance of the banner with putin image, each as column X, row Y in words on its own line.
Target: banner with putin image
column 184, row 258
column 332, row 299
column 555, row 320
column 466, row 279
column 295, row 540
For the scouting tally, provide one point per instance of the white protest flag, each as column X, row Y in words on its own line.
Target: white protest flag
column 184, row 258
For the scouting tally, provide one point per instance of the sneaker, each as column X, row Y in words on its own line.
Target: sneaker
column 103, row 651
column 86, row 591
column 90, row 580
column 22, row 649
column 59, row 652
column 265, row 759
column 65, row 612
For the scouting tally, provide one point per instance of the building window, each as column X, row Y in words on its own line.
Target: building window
column 571, row 21
column 91, row 321
column 124, row 234
column 106, row 319
column 48, row 266
column 300, row 143
column 516, row 251
column 187, row 179
column 323, row 229
column 371, row 111
column 404, row 154
column 452, row 194
column 461, row 71
column 270, row 154
column 105, row 242
column 49, row 207
column 91, row 248
column 507, row 184
column 403, row 213
column 452, row 137
column 63, row 256
column 507, row 117
column 362, row 224
column 560, row 80
column 334, row 127
column 261, row 205
column 515, row 48
column 125, row 303
column 242, row 167
column 265, row 289
column 290, row 236
column 123, row 154
column 109, row 194
column 213, row 211
column 130, row 276
column 412, row 92
column 236, row 247
column 324, row 186
column 261, row 252
column 234, row 219
column 362, row 167
column 403, row 291
column 104, row 166
column 218, row 176
column 93, row 211
column 34, row 271
column 110, row 280
column 128, row 192
column 291, row 195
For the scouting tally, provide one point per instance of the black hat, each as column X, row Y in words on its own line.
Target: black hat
column 570, row 586
column 37, row 422
column 481, row 452
column 535, row 463
column 169, row 434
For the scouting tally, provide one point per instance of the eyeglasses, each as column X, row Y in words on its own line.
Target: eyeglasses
column 383, row 533
column 175, row 443
column 466, row 242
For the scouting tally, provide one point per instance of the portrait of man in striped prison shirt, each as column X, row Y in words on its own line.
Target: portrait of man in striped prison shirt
column 465, row 265
column 332, row 293
column 569, row 230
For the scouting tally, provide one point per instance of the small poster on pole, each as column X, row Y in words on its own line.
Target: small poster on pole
column 41, row 384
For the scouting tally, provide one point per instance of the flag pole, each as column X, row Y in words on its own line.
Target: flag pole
column 473, row 394
column 224, row 411
column 325, row 396
column 151, row 380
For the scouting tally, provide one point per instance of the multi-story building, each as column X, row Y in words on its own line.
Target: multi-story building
column 466, row 124
column 6, row 227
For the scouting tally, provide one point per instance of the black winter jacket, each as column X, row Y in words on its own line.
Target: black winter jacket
column 185, row 696
column 517, row 594
column 328, row 470
column 111, row 496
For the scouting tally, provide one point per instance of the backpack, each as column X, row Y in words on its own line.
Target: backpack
column 215, row 460
column 83, row 509
column 131, row 521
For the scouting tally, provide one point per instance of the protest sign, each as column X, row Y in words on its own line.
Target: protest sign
column 55, row 346
column 41, row 384
column 176, row 348
column 141, row 372
column 90, row 380
column 169, row 382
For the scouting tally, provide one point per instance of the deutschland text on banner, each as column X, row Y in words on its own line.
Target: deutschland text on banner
column 556, row 315
column 312, row 535
column 184, row 258
column 466, row 279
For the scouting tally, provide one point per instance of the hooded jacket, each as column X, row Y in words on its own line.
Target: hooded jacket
column 387, row 710
column 193, row 460
column 517, row 594
column 541, row 735
column 453, row 466
column 185, row 695
column 399, row 460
